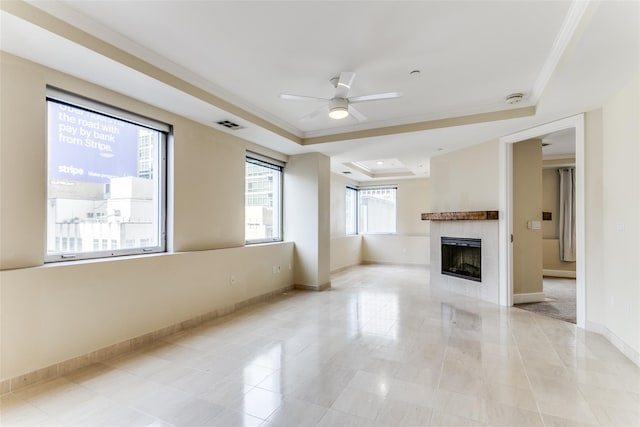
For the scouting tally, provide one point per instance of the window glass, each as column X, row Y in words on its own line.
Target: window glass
column 377, row 209
column 351, row 211
column 105, row 192
column 263, row 201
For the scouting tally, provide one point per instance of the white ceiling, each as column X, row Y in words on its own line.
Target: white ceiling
column 565, row 57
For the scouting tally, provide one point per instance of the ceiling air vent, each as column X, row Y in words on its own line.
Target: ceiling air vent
column 230, row 125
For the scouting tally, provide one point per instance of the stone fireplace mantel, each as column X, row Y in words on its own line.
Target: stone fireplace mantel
column 460, row 216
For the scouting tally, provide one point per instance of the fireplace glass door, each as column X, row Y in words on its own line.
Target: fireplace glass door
column 461, row 257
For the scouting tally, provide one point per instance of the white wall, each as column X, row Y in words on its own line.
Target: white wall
column 620, row 246
column 51, row 313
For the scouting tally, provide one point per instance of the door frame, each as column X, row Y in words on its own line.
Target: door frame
column 506, row 208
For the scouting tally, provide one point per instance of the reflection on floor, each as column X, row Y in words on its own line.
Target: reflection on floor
column 560, row 301
column 380, row 348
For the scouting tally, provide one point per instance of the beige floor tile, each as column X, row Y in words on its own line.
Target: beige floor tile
column 259, row 403
column 370, row 383
column 322, row 390
column 500, row 415
column 394, row 413
column 518, row 397
column 358, row 403
column 469, row 407
column 229, row 417
column 18, row 412
column 333, row 418
column 616, row 416
column 226, row 392
column 443, row 419
column 296, row 413
column 551, row 421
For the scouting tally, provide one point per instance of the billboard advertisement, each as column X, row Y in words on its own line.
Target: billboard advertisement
column 90, row 147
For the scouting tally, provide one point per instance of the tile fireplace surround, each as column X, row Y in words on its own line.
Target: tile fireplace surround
column 479, row 225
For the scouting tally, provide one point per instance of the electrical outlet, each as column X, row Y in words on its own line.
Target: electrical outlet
column 274, row 270
column 232, row 279
column 278, row 270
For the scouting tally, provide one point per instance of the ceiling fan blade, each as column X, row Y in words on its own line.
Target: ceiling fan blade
column 357, row 114
column 375, row 97
column 344, row 83
column 300, row 97
column 314, row 113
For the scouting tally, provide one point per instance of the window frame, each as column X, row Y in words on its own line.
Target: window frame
column 378, row 187
column 160, row 205
column 277, row 165
column 356, row 210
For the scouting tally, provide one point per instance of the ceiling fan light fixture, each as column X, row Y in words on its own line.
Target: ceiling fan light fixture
column 338, row 108
column 338, row 113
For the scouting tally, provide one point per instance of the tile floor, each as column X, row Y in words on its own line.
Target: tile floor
column 379, row 349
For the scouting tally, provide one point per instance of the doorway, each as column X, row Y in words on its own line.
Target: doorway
column 575, row 125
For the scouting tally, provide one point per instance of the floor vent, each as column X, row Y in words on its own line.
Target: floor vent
column 230, row 125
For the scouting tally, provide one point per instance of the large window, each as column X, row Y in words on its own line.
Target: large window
column 351, row 211
column 106, row 180
column 377, row 209
column 263, row 199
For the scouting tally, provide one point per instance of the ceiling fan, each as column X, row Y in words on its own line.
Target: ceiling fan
column 340, row 105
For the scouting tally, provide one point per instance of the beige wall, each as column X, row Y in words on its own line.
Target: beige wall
column 527, row 206
column 51, row 313
column 346, row 251
column 550, row 202
column 551, row 263
column 306, row 215
column 467, row 180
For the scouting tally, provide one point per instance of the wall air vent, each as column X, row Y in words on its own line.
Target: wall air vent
column 230, row 125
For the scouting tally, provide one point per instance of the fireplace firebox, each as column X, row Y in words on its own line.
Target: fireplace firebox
column 461, row 257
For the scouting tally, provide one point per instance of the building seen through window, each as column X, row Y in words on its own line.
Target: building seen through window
column 377, row 210
column 263, row 204
column 104, row 186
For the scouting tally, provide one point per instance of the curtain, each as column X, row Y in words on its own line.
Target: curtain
column 567, row 226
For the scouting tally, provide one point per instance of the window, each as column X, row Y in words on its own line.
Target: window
column 263, row 199
column 105, row 182
column 351, row 211
column 377, row 209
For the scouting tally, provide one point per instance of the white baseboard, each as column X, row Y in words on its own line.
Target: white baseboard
column 625, row 349
column 527, row 298
column 559, row 273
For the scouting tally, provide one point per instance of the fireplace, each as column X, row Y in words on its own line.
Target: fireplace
column 461, row 257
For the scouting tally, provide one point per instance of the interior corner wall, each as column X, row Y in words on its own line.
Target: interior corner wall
column 307, row 187
column 410, row 244
column 527, row 207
